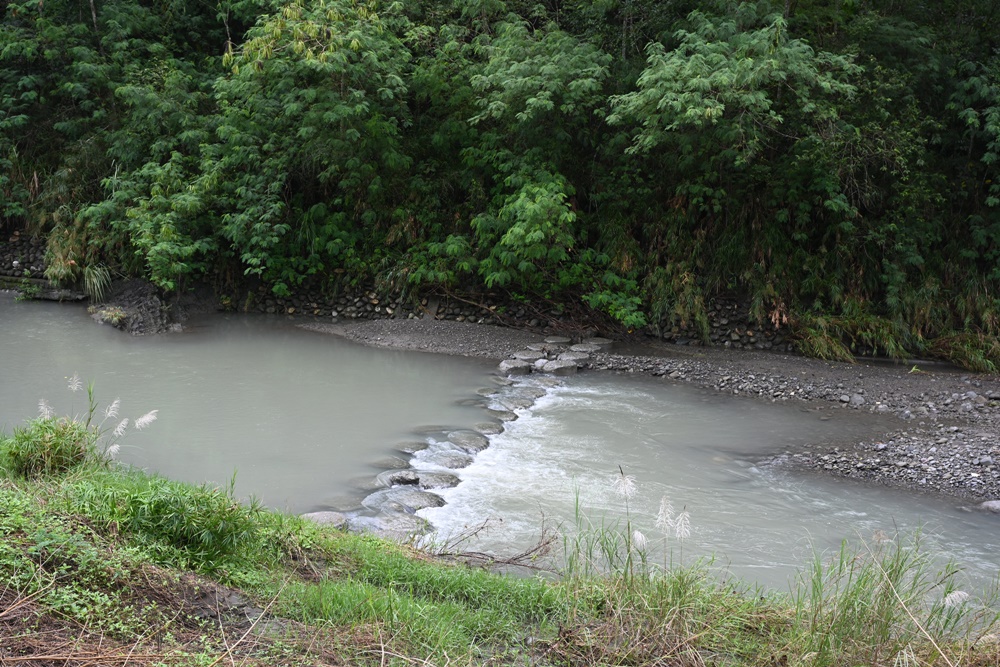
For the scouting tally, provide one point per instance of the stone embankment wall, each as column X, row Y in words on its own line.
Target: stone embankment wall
column 22, row 256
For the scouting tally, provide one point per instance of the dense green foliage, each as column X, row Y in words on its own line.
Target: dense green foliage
column 834, row 163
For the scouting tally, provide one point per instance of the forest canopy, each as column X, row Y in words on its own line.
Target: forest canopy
column 832, row 162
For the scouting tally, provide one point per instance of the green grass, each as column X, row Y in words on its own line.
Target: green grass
column 101, row 558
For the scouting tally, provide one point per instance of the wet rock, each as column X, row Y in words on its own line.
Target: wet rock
column 335, row 519
column 389, row 525
column 604, row 344
column 560, row 367
column 558, row 340
column 502, row 415
column 410, row 499
column 412, row 446
column 469, row 441
column 514, row 367
column 586, row 348
column 448, row 459
column 398, row 478
column 438, row 480
column 489, row 428
column 530, row 356
column 576, row 357
column 990, row 506
column 857, row 400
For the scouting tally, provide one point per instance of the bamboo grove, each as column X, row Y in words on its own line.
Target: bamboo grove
column 832, row 162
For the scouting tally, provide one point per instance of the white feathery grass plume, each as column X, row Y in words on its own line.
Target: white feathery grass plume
column 120, row 429
column 112, row 451
column 145, row 420
column 682, row 526
column 45, row 410
column 74, row 383
column 111, row 412
column 956, row 598
column 639, row 541
column 624, row 485
column 665, row 517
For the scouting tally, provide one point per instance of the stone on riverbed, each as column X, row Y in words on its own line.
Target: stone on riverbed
column 398, row 477
column 448, row 459
column 402, row 498
column 469, row 441
column 990, row 506
column 514, row 367
column 530, row 356
column 438, row 480
column 335, row 519
column 604, row 344
column 489, row 428
column 585, row 347
column 502, row 415
column 560, row 367
column 558, row 340
column 390, row 525
column 574, row 356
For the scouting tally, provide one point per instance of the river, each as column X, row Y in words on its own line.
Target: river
column 305, row 421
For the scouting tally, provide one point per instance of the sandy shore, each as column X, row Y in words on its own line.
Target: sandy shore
column 942, row 425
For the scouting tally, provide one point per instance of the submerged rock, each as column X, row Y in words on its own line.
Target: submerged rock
column 402, row 498
column 469, row 441
column 990, row 506
column 390, row 525
column 489, row 428
column 448, row 459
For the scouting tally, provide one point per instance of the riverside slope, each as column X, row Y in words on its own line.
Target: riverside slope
column 943, row 425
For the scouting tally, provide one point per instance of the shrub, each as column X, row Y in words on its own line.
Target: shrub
column 205, row 523
column 47, row 445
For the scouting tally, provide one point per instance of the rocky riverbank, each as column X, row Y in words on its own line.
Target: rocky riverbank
column 947, row 434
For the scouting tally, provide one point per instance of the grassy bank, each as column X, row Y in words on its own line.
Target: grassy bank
column 104, row 565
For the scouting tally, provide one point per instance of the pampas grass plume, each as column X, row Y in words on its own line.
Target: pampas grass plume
column 145, row 420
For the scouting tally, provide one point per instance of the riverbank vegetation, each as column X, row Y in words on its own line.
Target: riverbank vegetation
column 107, row 565
column 834, row 164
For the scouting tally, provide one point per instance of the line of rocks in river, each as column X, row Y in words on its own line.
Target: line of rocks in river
column 429, row 464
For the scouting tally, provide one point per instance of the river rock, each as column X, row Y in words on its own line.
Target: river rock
column 335, row 519
column 604, row 344
column 398, row 478
column 412, row 446
column 469, row 441
column 405, row 497
column 585, row 347
column 574, row 356
column 489, row 428
column 389, row 525
column 558, row 340
column 448, row 459
column 515, row 402
column 990, row 506
column 502, row 415
column 560, row 367
column 530, row 356
column 540, row 364
column 438, row 480
column 514, row 367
